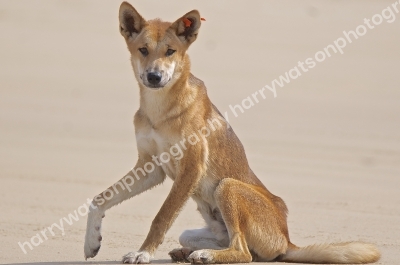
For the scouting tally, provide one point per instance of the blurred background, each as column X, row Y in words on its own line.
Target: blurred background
column 328, row 144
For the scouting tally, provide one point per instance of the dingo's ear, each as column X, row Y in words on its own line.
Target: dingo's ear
column 130, row 21
column 187, row 27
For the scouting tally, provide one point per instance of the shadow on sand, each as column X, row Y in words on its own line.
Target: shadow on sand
column 157, row 261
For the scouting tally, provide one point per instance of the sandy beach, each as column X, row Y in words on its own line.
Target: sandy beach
column 327, row 142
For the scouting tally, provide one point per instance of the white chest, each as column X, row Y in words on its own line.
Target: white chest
column 150, row 142
column 158, row 148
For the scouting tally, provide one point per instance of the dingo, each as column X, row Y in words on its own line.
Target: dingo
column 245, row 222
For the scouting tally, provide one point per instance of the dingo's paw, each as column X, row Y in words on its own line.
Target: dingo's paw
column 201, row 257
column 180, row 254
column 142, row 257
column 93, row 233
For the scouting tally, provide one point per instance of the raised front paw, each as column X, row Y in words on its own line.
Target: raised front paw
column 203, row 256
column 142, row 257
column 180, row 254
column 93, row 233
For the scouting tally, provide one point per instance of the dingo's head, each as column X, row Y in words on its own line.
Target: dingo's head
column 158, row 49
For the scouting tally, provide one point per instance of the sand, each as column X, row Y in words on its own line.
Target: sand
column 328, row 143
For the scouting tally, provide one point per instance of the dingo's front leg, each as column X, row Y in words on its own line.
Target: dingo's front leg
column 188, row 176
column 130, row 185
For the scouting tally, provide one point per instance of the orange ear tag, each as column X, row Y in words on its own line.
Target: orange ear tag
column 187, row 22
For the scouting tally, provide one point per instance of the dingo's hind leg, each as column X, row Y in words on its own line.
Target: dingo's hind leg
column 180, row 254
column 200, row 239
column 195, row 239
column 256, row 227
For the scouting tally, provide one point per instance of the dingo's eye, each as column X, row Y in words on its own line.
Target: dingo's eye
column 170, row 52
column 144, row 51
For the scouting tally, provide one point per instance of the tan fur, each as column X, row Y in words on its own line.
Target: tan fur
column 244, row 220
column 340, row 253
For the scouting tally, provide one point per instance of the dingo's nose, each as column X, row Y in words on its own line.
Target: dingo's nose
column 154, row 78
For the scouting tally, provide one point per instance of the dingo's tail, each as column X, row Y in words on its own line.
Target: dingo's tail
column 339, row 253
